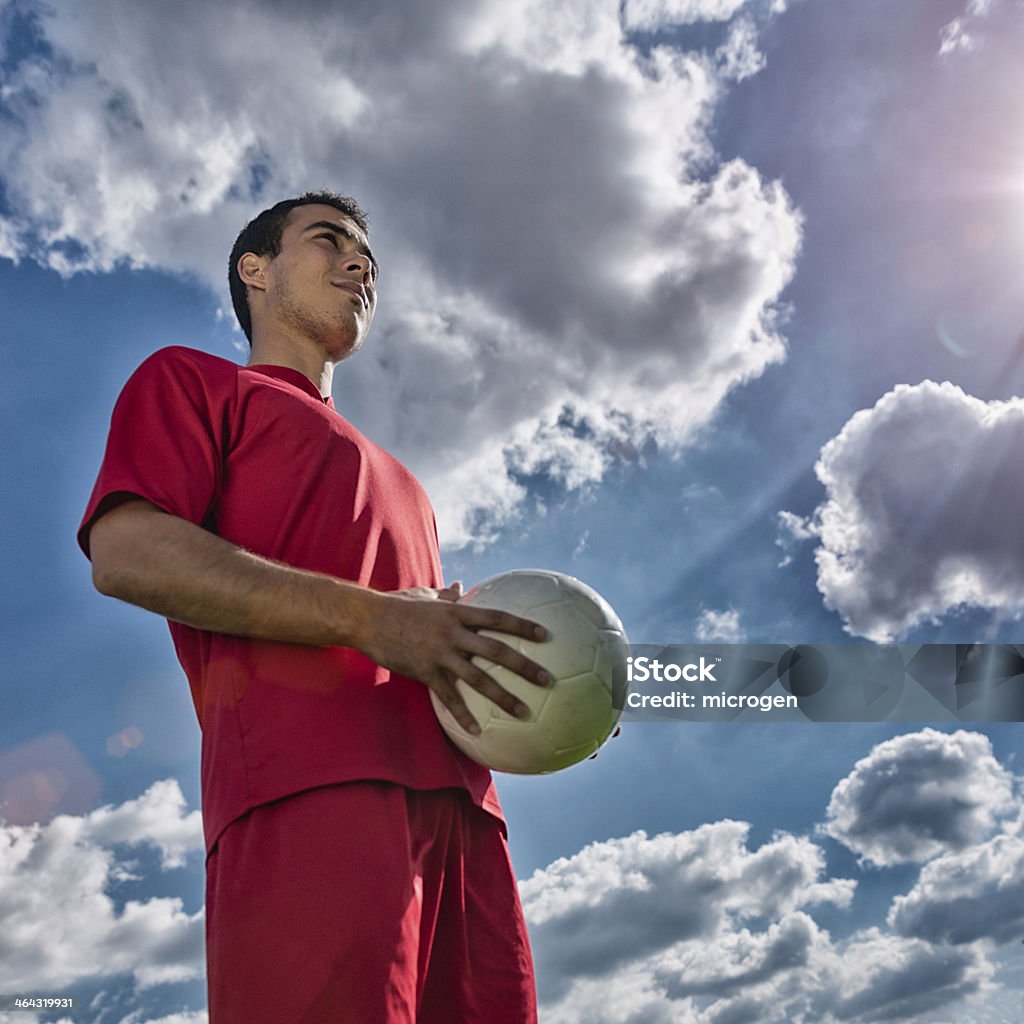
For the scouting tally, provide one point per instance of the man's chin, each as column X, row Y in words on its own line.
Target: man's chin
column 345, row 348
column 345, row 337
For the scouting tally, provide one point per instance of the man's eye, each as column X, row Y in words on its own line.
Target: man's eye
column 332, row 238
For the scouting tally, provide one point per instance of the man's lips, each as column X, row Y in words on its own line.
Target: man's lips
column 355, row 289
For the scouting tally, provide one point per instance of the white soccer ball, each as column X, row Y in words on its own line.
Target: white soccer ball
column 585, row 653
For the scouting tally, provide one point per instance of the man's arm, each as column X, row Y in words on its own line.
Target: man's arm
column 170, row 566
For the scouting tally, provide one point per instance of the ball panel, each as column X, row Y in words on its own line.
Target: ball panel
column 569, row 647
column 565, row 758
column 482, row 709
column 508, row 747
column 610, row 665
column 590, row 603
column 574, row 715
column 515, row 591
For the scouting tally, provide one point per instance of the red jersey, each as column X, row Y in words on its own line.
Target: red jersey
column 257, row 456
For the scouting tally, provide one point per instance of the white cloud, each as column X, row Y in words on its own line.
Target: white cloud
column 726, row 940
column 977, row 893
column 197, row 1017
column 649, row 15
column 921, row 510
column 618, row 901
column 722, row 627
column 158, row 817
column 954, row 36
column 739, row 57
column 26, row 1017
column 920, row 795
column 791, row 530
column 630, row 996
column 566, row 270
column 794, row 527
column 878, row 977
column 735, row 961
column 696, row 927
column 965, row 31
column 60, row 923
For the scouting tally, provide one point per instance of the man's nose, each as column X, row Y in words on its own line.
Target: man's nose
column 359, row 263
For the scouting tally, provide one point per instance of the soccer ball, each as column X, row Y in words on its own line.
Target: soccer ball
column 585, row 653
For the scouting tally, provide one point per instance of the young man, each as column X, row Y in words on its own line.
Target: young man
column 357, row 868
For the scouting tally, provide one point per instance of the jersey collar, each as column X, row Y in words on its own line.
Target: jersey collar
column 292, row 376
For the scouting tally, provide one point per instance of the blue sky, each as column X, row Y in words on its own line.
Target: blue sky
column 670, row 292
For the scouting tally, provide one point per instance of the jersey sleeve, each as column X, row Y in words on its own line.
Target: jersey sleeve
column 167, row 437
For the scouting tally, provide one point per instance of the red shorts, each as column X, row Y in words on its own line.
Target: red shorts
column 366, row 903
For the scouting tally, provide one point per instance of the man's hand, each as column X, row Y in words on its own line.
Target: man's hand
column 427, row 635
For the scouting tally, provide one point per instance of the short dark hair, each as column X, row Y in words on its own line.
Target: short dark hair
column 262, row 235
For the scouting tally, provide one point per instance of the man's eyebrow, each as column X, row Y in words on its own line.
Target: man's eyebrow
column 339, row 230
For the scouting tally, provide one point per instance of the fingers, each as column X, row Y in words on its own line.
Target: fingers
column 474, row 643
column 499, row 653
column 485, row 684
column 449, row 695
column 502, row 622
column 479, row 679
column 450, row 638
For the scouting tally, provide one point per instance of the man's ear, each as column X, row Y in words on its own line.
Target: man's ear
column 252, row 269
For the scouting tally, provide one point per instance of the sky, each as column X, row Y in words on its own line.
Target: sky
column 713, row 304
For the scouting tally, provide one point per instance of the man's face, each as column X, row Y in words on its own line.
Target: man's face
column 322, row 284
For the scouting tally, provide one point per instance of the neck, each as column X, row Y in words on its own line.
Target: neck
column 306, row 358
